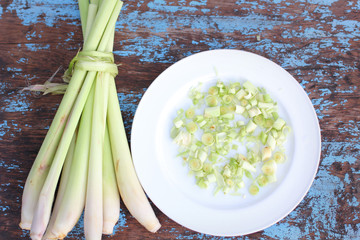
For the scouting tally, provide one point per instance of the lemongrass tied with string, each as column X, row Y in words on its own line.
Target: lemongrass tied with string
column 92, row 68
column 42, row 181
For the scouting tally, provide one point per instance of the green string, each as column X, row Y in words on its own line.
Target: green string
column 92, row 61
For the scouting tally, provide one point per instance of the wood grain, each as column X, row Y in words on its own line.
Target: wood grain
column 317, row 41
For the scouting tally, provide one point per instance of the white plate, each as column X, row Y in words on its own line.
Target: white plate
column 165, row 179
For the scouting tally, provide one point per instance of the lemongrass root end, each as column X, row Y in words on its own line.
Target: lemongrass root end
column 25, row 226
column 154, row 228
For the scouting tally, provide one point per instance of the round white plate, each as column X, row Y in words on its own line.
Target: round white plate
column 165, row 179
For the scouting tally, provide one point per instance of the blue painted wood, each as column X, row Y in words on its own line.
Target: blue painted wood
column 317, row 41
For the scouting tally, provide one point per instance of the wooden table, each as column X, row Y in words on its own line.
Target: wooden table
column 317, row 41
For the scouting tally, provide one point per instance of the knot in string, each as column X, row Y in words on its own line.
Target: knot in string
column 92, row 61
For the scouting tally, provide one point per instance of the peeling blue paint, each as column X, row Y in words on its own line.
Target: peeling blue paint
column 198, row 3
column 162, row 5
column 17, row 103
column 46, row 11
column 37, row 46
column 352, row 127
column 324, row 92
column 8, row 129
column 322, row 106
column 22, row 60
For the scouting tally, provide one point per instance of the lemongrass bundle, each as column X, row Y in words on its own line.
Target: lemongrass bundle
column 97, row 158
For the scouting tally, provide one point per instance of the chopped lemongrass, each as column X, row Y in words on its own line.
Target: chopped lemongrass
column 190, row 113
column 195, row 164
column 262, row 180
column 211, row 101
column 253, row 190
column 271, row 178
column 240, row 94
column 208, row 139
column 213, row 90
column 254, row 111
column 231, row 113
column 271, row 142
column 278, row 124
column 269, row 167
column 211, row 178
column 239, row 109
column 183, row 139
column 227, row 99
column 212, row 112
column 279, row 157
column 192, row 127
column 250, row 126
column 266, row 153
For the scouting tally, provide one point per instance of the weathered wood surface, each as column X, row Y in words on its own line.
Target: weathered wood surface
column 317, row 41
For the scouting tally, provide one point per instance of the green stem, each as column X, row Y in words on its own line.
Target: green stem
column 43, row 161
column 111, row 198
column 83, row 8
column 93, row 216
column 65, row 175
column 73, row 201
column 129, row 186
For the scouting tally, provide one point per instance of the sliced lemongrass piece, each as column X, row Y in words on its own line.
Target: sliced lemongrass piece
column 227, row 99
column 278, row 124
column 266, row 153
column 262, row 180
column 195, row 164
column 247, row 166
column 183, row 139
column 190, row 113
column 250, row 88
column 253, row 189
column 239, row 109
column 191, row 127
column 271, row 142
column 240, row 94
column 211, row 101
column 250, row 126
column 208, row 139
column 279, row 157
column 269, row 167
column 212, row 112
column 213, row 90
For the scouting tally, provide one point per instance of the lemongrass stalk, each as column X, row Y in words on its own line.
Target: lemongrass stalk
column 40, row 169
column 129, row 186
column 73, row 201
column 65, row 174
column 90, row 19
column 111, row 197
column 105, row 11
column 93, row 217
column 43, row 207
column 83, row 8
column 42, row 163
